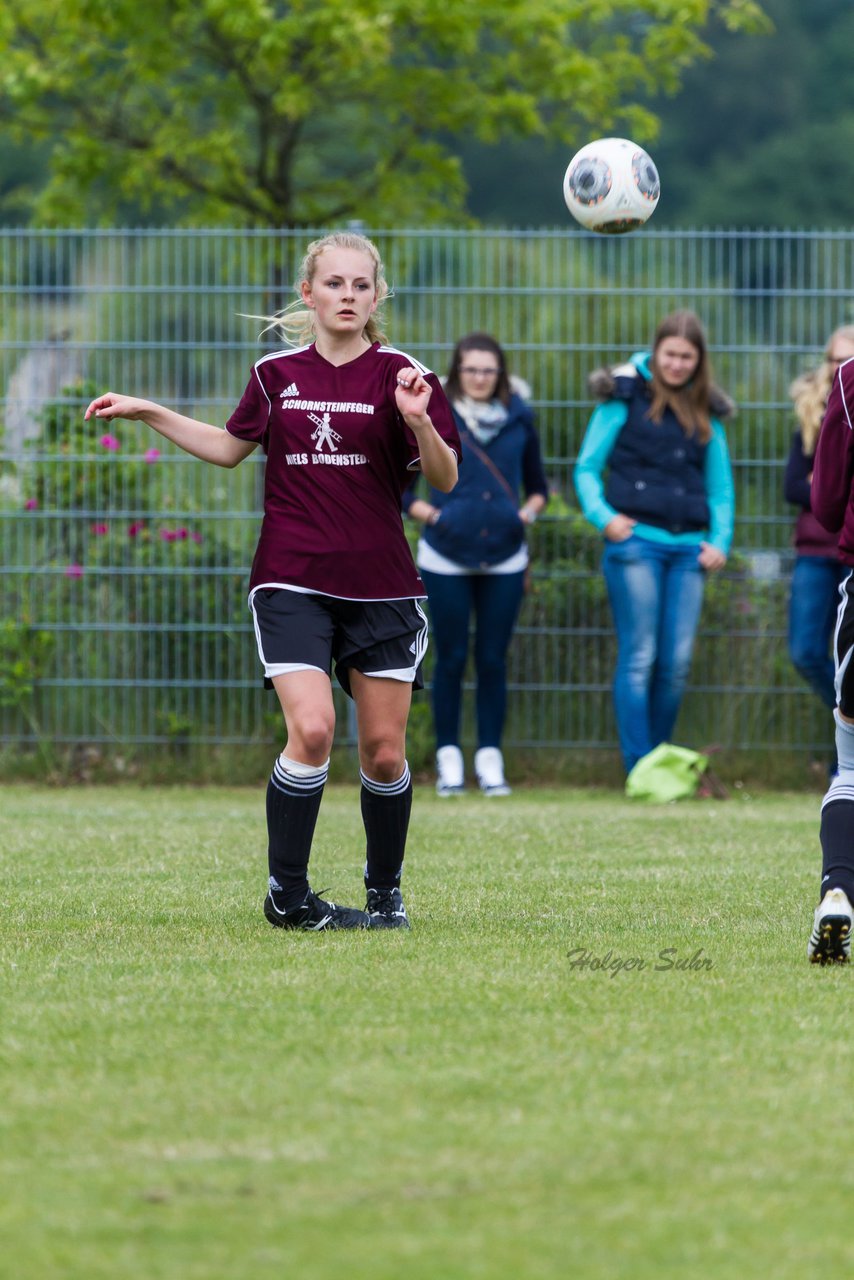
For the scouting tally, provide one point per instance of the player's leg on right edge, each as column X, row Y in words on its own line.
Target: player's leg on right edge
column 830, row 940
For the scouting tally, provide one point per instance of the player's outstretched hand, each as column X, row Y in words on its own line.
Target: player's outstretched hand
column 412, row 393
column 111, row 406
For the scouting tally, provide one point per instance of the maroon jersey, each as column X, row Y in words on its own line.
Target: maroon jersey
column 339, row 456
column 832, row 489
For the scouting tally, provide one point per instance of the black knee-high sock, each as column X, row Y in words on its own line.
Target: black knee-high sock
column 293, row 803
column 837, row 846
column 386, row 807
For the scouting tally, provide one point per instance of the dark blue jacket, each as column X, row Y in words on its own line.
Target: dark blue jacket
column 479, row 525
column 656, row 473
column 653, row 483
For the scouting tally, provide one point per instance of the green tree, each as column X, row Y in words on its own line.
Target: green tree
column 761, row 135
column 320, row 110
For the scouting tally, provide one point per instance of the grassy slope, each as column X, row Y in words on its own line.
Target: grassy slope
column 185, row 1092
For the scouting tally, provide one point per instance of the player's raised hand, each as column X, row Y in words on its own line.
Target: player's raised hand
column 111, row 406
column 412, row 393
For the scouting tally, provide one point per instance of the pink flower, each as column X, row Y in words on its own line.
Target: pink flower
column 152, row 455
column 110, row 442
column 31, row 504
column 168, row 535
column 182, row 535
column 136, row 528
column 100, row 529
column 197, row 537
column 74, row 571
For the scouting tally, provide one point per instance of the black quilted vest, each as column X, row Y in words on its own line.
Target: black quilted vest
column 655, row 471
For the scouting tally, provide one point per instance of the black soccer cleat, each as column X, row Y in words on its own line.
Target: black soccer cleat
column 385, row 909
column 315, row 914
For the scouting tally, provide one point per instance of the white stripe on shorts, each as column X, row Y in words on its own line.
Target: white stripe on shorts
column 407, row 674
column 272, row 669
column 843, row 661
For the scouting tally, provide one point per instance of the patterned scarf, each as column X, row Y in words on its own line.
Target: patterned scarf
column 484, row 418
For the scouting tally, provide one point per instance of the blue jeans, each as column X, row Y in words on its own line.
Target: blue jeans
column 656, row 593
column 813, row 605
column 495, row 599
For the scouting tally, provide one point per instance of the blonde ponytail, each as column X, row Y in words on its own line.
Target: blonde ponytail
column 810, row 391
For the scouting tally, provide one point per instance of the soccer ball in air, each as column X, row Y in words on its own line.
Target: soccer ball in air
column 611, row 186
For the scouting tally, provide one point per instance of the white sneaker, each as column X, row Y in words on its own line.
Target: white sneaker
column 489, row 767
column 450, row 772
column 830, row 940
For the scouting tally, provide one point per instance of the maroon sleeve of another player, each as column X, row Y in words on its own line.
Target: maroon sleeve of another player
column 833, row 466
column 443, row 420
column 251, row 417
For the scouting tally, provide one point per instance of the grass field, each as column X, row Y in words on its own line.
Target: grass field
column 187, row 1093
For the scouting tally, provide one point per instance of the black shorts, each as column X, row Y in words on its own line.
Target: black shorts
column 297, row 632
column 843, row 648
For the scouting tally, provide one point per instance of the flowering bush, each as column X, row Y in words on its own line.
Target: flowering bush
column 128, row 563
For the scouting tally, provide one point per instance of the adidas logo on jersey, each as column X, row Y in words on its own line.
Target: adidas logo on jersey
column 289, row 391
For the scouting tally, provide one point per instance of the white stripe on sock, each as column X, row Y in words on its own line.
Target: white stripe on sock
column 307, row 781
column 837, row 793
column 387, row 788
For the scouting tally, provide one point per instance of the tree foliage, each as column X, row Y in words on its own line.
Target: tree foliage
column 316, row 111
column 762, row 135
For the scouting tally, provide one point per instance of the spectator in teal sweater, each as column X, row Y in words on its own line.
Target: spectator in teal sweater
column 666, row 513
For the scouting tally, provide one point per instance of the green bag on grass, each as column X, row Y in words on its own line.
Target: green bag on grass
column 666, row 773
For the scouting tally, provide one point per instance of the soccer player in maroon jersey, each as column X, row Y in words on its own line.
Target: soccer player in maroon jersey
column 343, row 420
column 832, row 503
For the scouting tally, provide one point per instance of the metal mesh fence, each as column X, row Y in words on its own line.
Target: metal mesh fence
column 124, row 562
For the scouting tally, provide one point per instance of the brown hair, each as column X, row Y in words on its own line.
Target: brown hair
column 478, row 342
column 811, row 389
column 296, row 323
column 691, row 402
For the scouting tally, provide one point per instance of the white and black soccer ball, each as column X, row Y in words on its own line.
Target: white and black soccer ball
column 611, row 186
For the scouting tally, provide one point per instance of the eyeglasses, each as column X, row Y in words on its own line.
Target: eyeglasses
column 479, row 373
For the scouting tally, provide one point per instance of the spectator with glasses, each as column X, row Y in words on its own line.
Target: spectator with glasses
column 473, row 557
column 818, row 571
